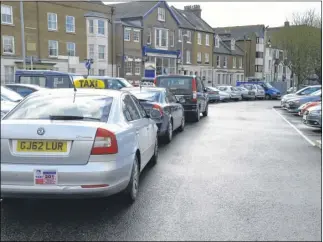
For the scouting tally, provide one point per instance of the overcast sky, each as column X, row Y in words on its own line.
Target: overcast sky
column 220, row 14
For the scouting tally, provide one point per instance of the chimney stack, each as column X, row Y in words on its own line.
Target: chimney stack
column 196, row 9
column 286, row 24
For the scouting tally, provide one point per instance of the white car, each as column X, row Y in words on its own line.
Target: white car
column 232, row 91
column 257, row 89
column 85, row 143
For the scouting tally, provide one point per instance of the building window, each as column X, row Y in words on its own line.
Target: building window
column 258, row 68
column 136, row 35
column 149, row 36
column 6, row 14
column 70, row 24
column 101, row 72
column 127, row 33
column 172, row 38
column 217, row 61
column 233, row 44
column 259, row 40
column 91, row 26
column 225, row 61
column 129, row 67
column 8, row 45
column 101, row 52
column 9, row 74
column 70, row 48
column 161, row 38
column 101, row 27
column 137, row 68
column 217, row 41
column 207, row 40
column 180, row 35
column 269, row 65
column 199, row 57
column 259, row 54
column 161, row 14
column 172, row 66
column 52, row 21
column 189, row 37
column 234, row 62
column 207, row 58
column 219, row 79
column 53, row 48
column 188, row 57
column 91, row 51
column 240, row 62
column 199, row 38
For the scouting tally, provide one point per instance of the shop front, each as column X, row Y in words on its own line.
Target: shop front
column 159, row 62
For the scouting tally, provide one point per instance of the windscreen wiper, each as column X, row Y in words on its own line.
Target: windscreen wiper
column 66, row 117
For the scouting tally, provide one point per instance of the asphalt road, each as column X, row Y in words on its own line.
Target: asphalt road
column 242, row 173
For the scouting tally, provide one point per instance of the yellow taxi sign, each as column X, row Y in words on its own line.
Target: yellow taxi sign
column 89, row 83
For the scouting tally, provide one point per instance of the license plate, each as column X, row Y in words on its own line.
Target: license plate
column 45, row 177
column 41, row 146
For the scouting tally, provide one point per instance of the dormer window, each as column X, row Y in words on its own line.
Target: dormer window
column 217, row 42
column 233, row 44
column 161, row 14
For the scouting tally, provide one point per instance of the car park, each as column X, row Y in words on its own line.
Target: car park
column 213, row 93
column 302, row 92
column 246, row 94
column 23, row 89
column 188, row 88
column 86, row 143
column 163, row 107
column 234, row 93
column 293, row 104
column 313, row 117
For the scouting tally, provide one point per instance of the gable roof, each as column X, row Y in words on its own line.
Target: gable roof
column 238, row 32
column 225, row 48
column 139, row 9
column 183, row 22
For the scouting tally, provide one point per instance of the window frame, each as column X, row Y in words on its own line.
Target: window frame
column 158, row 44
column 199, row 38
column 188, row 54
column 199, row 60
column 101, row 21
column 225, row 61
column 207, row 39
column 137, row 31
column 161, row 15
column 56, row 21
column 149, row 36
column 91, row 26
column 234, row 62
column 66, row 24
column 12, row 39
column 67, row 49
column 104, row 54
column 206, row 60
column 189, row 37
column 53, row 41
column 128, row 31
column 11, row 14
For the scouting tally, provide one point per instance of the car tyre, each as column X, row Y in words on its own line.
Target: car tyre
column 182, row 127
column 206, row 112
column 197, row 115
column 169, row 134
column 154, row 158
column 267, row 97
column 132, row 189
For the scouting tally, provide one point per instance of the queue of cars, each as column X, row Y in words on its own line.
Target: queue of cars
column 306, row 103
column 90, row 141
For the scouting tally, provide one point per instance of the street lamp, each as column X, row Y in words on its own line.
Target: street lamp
column 183, row 35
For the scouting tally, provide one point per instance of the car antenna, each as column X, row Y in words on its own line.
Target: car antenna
column 75, row 90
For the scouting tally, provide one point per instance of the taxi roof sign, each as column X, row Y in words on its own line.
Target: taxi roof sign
column 89, row 83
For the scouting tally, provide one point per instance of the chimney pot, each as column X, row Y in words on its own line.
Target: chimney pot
column 286, row 24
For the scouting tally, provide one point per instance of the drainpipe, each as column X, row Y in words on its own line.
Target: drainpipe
column 23, row 44
column 112, row 39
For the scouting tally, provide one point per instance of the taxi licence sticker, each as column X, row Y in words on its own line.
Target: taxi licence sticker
column 89, row 83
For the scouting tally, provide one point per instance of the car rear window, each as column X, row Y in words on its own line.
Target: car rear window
column 175, row 83
column 87, row 108
column 153, row 96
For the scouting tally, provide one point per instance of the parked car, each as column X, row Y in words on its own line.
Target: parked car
column 23, row 89
column 302, row 92
column 291, row 90
column 270, row 92
column 102, row 82
column 306, row 106
column 83, row 143
column 313, row 117
column 9, row 95
column 224, row 97
column 256, row 89
column 214, row 95
column 246, row 94
column 294, row 103
column 234, row 93
column 191, row 89
column 160, row 102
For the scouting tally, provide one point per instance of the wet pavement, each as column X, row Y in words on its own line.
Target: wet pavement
column 242, row 173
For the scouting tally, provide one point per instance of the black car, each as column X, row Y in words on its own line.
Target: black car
column 163, row 105
column 190, row 89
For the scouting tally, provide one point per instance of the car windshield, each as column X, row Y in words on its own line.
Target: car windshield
column 317, row 93
column 9, row 95
column 222, row 88
column 268, row 85
column 153, row 96
column 249, row 87
column 89, row 108
column 178, row 85
column 125, row 82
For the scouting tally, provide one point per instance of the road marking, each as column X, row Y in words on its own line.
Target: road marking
column 294, row 127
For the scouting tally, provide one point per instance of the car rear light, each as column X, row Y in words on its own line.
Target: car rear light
column 156, row 108
column 105, row 142
column 155, row 81
column 194, row 89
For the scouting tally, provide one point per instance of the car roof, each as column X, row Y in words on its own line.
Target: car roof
column 25, row 85
column 176, row 75
column 79, row 91
column 144, row 88
column 105, row 77
column 48, row 72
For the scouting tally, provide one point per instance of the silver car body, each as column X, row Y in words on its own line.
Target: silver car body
column 246, row 94
column 78, row 171
column 6, row 106
column 256, row 89
column 313, row 117
column 224, row 96
column 9, row 95
column 302, row 92
column 234, row 93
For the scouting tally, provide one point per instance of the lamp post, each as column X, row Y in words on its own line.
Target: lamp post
column 183, row 35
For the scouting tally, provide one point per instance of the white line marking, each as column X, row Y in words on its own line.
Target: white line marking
column 297, row 130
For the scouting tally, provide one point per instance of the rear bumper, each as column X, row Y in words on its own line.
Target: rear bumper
column 189, row 108
column 18, row 180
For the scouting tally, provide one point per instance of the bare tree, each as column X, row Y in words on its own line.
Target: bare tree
column 302, row 42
